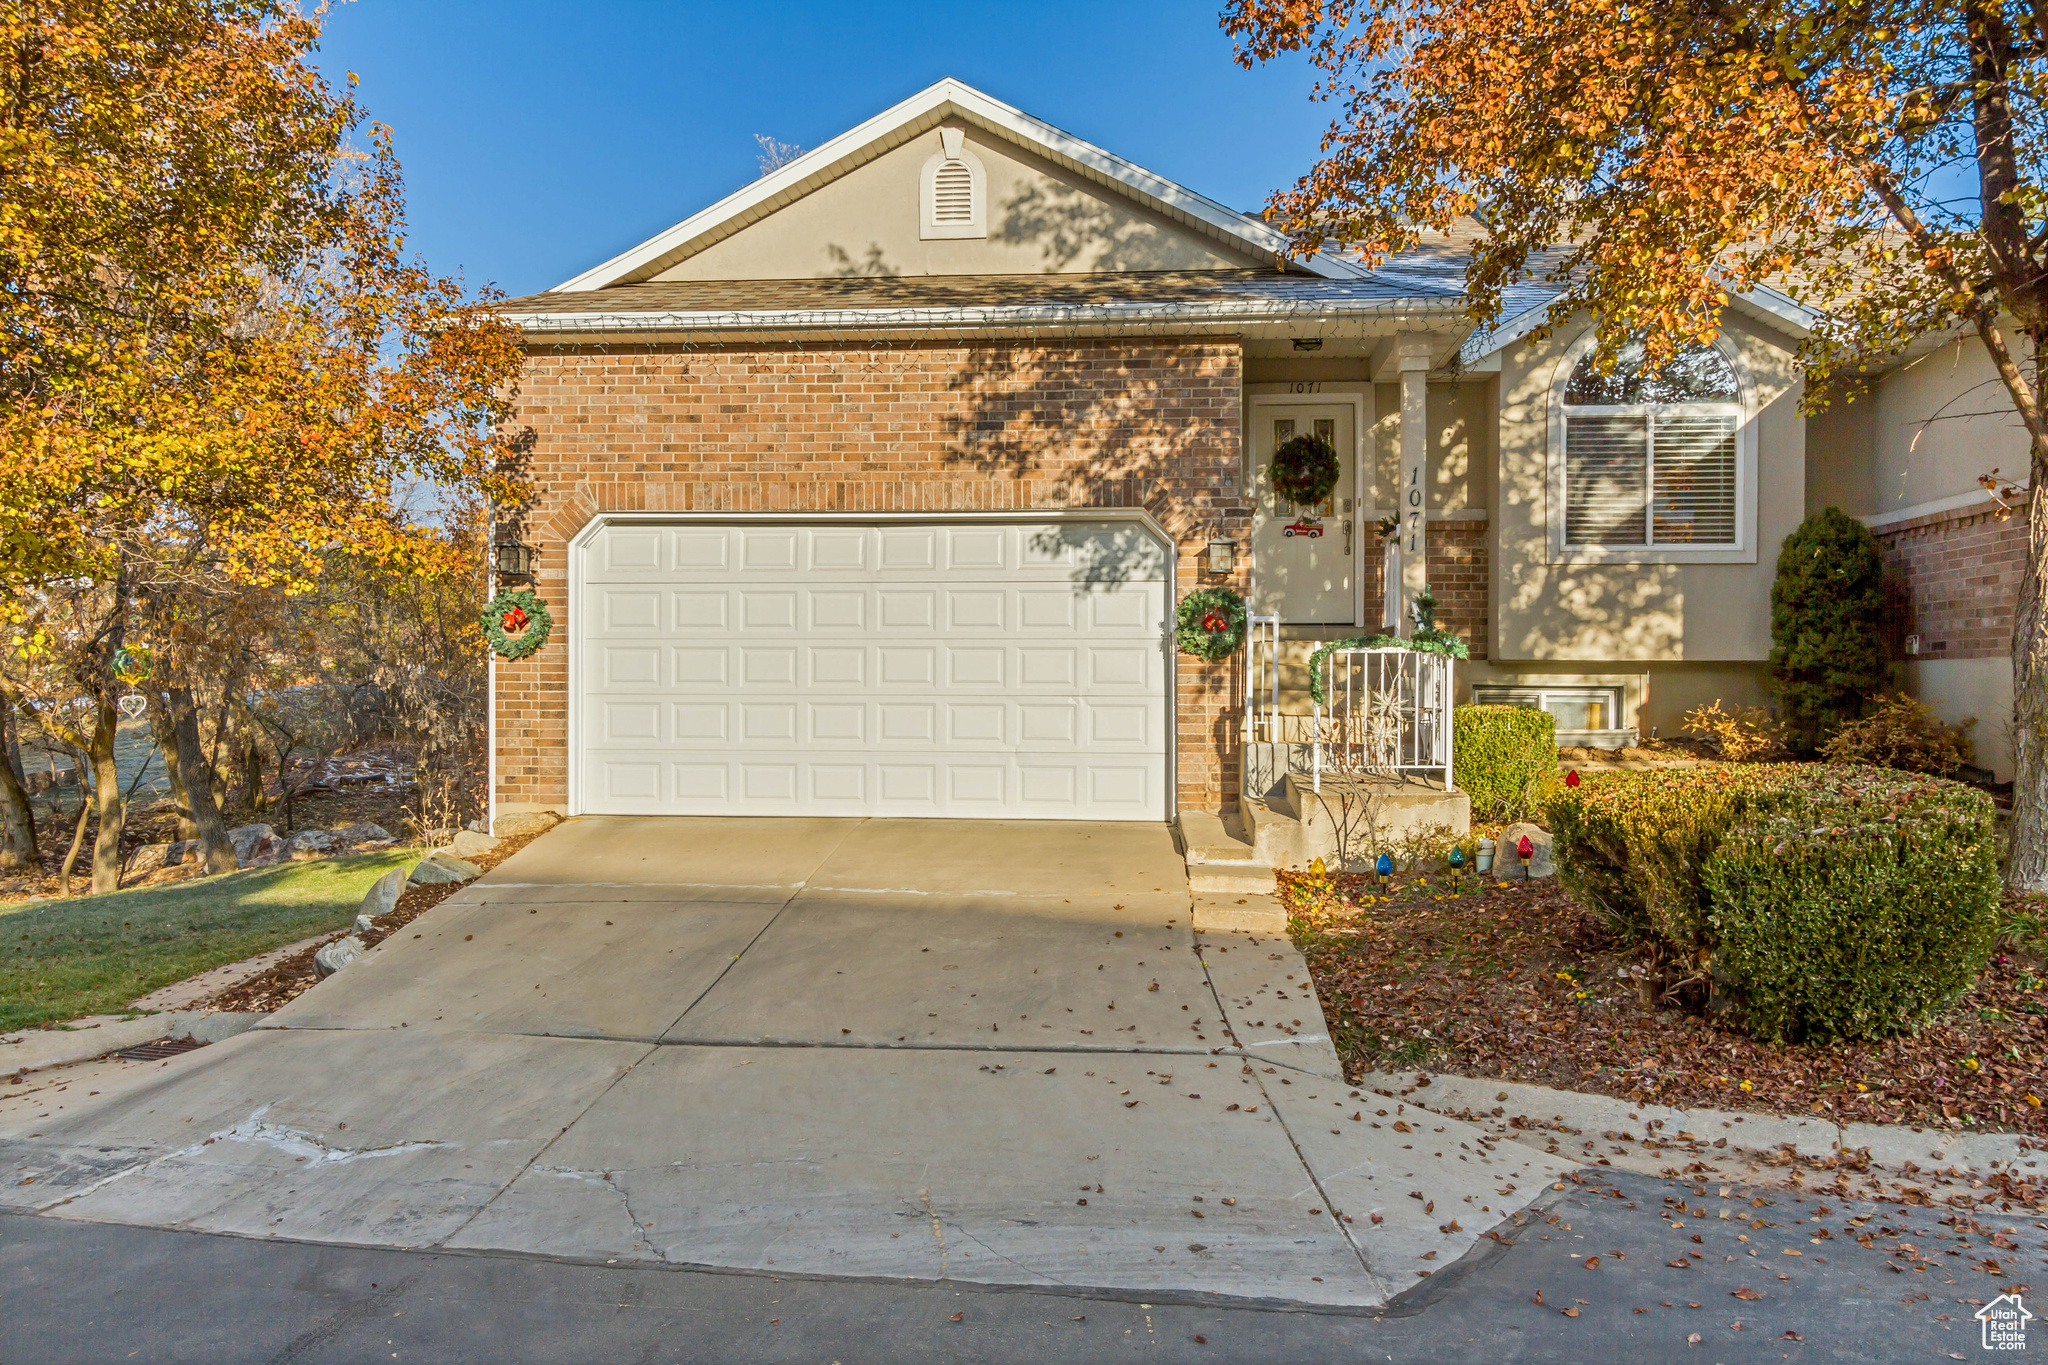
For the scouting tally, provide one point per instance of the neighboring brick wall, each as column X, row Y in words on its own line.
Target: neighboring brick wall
column 1953, row 579
column 1456, row 552
column 993, row 426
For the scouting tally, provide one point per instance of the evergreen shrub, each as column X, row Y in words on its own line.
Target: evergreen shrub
column 1827, row 610
column 1824, row 901
column 1505, row 758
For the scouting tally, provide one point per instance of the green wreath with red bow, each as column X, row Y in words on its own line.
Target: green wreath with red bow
column 1209, row 623
column 516, row 623
column 1304, row 470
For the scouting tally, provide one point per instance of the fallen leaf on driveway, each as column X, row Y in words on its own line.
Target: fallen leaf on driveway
column 1791, row 1336
column 1592, row 1263
column 957, row 1316
column 1679, row 1265
column 1571, row 1312
column 1692, row 1338
column 1746, row 1293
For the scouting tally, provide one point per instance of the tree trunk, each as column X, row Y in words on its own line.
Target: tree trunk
column 174, row 765
column 18, row 850
column 112, row 809
column 210, row 830
column 77, row 838
column 2026, row 867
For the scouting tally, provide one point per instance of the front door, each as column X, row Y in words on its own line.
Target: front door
column 1304, row 556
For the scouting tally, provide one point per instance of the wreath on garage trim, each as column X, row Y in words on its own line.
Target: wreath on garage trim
column 1209, row 623
column 1304, row 470
column 516, row 623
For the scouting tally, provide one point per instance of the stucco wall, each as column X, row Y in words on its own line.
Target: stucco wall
column 1637, row 611
column 1940, row 421
column 1040, row 218
column 1841, row 451
column 1957, row 690
column 855, row 428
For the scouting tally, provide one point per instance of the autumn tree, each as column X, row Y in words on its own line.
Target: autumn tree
column 1879, row 160
column 216, row 361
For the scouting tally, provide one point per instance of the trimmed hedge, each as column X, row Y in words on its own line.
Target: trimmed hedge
column 1827, row 901
column 1505, row 757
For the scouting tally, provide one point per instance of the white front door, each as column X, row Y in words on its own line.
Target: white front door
column 1304, row 557
column 832, row 667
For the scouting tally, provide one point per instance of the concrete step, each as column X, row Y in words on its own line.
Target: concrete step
column 1220, row 863
column 1251, row 914
column 1256, row 883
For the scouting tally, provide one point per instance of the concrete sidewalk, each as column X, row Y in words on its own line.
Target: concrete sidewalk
column 925, row 1050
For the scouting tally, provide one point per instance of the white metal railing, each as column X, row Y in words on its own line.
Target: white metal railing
column 1383, row 711
column 1262, row 679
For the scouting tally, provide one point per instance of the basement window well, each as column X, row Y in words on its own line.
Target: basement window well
column 1586, row 716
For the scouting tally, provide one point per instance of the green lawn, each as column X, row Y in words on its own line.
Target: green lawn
column 93, row 954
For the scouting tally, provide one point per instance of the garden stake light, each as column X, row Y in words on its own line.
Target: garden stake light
column 1571, row 779
column 1385, row 865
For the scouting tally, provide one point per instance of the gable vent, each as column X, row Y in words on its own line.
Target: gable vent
column 953, row 194
column 953, row 191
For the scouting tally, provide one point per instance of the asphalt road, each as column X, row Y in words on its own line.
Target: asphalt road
column 90, row 1292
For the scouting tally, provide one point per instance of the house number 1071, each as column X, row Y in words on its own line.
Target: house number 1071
column 1305, row 386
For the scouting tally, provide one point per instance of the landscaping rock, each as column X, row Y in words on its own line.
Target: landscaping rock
column 382, row 895
column 149, row 858
column 1508, row 864
column 468, row 843
column 442, row 866
column 256, row 845
column 364, row 924
column 364, row 833
column 525, row 822
column 308, row 844
column 175, row 853
column 337, row 955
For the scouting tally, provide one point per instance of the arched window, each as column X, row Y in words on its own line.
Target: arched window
column 953, row 191
column 1651, row 456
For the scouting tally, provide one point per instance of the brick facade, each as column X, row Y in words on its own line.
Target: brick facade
column 1952, row 579
column 987, row 426
column 1457, row 575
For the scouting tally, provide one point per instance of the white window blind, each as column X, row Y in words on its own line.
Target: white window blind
column 1695, row 473
column 1606, row 473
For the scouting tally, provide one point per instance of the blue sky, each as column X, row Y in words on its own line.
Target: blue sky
column 541, row 138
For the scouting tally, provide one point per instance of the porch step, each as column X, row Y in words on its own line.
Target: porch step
column 1219, row 863
column 1215, row 914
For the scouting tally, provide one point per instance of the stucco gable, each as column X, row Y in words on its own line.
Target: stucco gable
column 1054, row 204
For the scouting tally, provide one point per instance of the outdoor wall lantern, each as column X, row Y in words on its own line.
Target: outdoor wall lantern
column 1222, row 556
column 513, row 559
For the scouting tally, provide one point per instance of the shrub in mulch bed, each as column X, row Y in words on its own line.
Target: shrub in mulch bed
column 294, row 976
column 1520, row 981
column 1810, row 901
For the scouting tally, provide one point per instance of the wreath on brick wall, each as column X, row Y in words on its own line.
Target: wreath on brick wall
column 516, row 623
column 1304, row 470
column 1209, row 623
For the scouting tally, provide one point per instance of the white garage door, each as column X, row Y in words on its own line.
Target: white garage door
column 832, row 668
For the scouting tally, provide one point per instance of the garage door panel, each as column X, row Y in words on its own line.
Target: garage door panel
column 767, row 610
column 971, row 670
column 699, row 610
column 838, row 610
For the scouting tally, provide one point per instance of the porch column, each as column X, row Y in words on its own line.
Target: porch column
column 1412, row 355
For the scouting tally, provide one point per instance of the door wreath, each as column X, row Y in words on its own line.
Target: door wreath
column 1209, row 623
column 1304, row 470
column 516, row 623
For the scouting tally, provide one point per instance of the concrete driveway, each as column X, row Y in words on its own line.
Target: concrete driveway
column 980, row 1051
